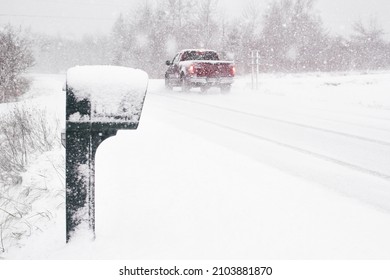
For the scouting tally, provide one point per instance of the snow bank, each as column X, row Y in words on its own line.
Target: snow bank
column 115, row 93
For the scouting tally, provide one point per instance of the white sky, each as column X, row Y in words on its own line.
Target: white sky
column 74, row 18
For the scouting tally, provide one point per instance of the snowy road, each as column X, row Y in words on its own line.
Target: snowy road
column 252, row 174
column 343, row 150
column 297, row 170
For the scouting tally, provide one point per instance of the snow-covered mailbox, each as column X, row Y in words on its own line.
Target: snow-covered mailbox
column 100, row 100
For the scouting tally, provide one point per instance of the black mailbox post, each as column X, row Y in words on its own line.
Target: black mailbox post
column 100, row 100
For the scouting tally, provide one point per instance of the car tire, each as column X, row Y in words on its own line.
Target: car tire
column 204, row 88
column 226, row 88
column 168, row 84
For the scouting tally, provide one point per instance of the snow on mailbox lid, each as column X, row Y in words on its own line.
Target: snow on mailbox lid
column 114, row 93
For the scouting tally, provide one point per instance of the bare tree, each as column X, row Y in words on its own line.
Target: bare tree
column 206, row 24
column 369, row 48
column 250, row 30
column 15, row 57
column 120, row 41
column 293, row 37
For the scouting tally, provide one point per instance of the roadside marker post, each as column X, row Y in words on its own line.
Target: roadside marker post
column 255, row 63
column 100, row 100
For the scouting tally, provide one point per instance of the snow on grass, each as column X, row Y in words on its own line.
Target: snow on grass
column 34, row 202
column 364, row 91
column 33, row 205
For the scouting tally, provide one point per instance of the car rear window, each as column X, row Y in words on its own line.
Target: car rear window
column 198, row 55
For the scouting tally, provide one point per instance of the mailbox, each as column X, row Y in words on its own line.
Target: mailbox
column 100, row 100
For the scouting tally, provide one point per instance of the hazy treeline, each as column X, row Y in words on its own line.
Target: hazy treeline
column 57, row 54
column 288, row 33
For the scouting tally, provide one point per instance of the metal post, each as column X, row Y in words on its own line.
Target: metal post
column 257, row 70
column 82, row 143
column 255, row 60
column 252, row 65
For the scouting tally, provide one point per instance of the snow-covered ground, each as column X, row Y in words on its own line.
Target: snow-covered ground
column 299, row 169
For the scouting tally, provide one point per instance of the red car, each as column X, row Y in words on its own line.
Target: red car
column 199, row 68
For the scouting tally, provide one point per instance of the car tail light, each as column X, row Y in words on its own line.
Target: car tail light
column 232, row 70
column 191, row 69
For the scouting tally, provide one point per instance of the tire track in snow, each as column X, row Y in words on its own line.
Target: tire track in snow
column 345, row 122
column 380, row 142
column 291, row 147
column 356, row 114
column 284, row 145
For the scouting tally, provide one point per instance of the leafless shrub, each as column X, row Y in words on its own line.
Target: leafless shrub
column 22, row 133
column 15, row 57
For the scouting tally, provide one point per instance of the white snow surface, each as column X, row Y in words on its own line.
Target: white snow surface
column 116, row 93
column 298, row 169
